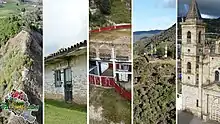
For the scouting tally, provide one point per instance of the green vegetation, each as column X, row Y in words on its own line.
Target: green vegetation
column 115, row 108
column 12, row 7
column 120, row 12
column 12, row 58
column 58, row 112
column 12, row 24
column 213, row 25
column 9, row 26
column 109, row 12
column 154, row 92
column 159, row 41
column 12, row 63
column 105, row 7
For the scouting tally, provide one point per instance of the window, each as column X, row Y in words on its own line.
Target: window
column 57, row 77
column 197, row 66
column 197, row 58
column 124, row 67
column 197, row 79
column 217, row 76
column 68, row 75
column 188, row 67
column 199, row 40
column 197, row 103
column 188, row 37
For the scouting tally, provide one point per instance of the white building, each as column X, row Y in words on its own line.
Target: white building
column 113, row 59
column 66, row 74
column 200, row 64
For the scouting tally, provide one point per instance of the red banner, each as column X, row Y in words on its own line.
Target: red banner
column 91, row 79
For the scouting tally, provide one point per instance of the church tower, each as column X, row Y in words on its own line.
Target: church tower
column 193, row 40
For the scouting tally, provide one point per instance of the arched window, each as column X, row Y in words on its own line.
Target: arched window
column 199, row 40
column 188, row 37
column 188, row 67
column 217, row 76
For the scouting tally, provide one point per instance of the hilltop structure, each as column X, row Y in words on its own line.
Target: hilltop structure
column 65, row 74
column 112, row 59
column 200, row 68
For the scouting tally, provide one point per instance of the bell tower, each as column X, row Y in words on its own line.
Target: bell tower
column 193, row 40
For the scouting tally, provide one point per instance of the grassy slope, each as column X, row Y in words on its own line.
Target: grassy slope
column 119, row 12
column 8, row 29
column 57, row 112
column 115, row 108
column 11, row 8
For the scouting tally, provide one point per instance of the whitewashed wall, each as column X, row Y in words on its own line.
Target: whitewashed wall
column 78, row 66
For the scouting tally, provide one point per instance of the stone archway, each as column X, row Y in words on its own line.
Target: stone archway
column 93, row 51
column 105, row 51
column 215, row 110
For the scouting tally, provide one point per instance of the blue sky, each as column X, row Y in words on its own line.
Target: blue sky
column 65, row 23
column 153, row 14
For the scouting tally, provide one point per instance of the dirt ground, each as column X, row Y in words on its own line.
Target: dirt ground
column 108, row 107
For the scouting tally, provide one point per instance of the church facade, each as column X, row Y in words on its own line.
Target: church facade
column 200, row 67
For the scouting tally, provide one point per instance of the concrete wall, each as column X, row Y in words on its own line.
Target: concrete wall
column 79, row 79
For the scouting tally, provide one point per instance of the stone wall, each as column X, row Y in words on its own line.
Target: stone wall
column 189, row 98
column 214, row 66
column 79, row 73
column 209, row 104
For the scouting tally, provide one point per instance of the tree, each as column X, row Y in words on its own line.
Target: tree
column 160, row 51
column 105, row 7
column 23, row 9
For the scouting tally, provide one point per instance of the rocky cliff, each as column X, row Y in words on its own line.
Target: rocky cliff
column 21, row 68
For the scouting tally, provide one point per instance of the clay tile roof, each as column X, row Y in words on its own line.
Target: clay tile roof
column 66, row 50
column 193, row 12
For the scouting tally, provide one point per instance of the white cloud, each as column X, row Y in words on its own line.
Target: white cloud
column 65, row 23
column 208, row 16
column 169, row 3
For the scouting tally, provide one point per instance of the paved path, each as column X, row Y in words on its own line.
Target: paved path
column 187, row 118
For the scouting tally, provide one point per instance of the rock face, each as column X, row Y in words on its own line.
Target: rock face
column 21, row 68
